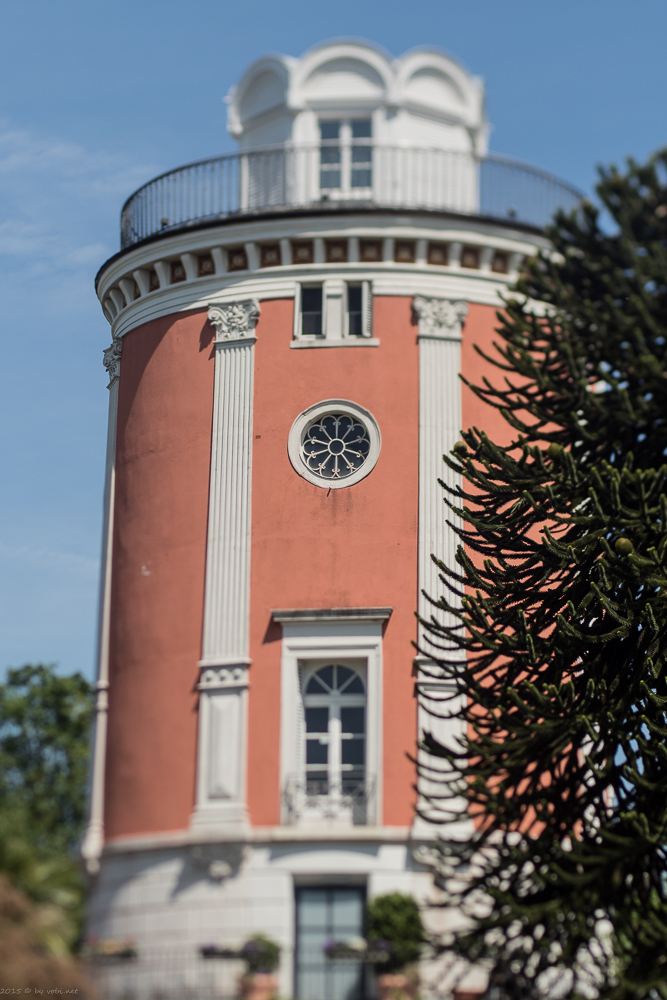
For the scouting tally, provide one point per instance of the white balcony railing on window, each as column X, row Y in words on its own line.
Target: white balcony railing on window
column 349, row 801
column 288, row 177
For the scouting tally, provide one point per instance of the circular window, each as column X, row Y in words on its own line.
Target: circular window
column 334, row 443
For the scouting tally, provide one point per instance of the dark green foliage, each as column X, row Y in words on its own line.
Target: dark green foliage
column 560, row 605
column 261, row 954
column 395, row 918
column 44, row 725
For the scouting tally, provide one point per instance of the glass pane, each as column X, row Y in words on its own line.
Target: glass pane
column 353, row 752
column 312, row 911
column 317, row 720
column 330, row 155
column 352, row 720
column 362, row 174
column 361, row 128
column 319, row 978
column 351, row 683
column 318, row 753
column 311, row 299
column 354, row 298
column 311, row 324
column 314, row 686
column 361, row 178
column 311, row 311
column 356, row 686
column 326, row 676
column 348, row 912
column 344, row 673
column 330, row 130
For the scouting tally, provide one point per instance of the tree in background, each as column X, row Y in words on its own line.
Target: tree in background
column 554, row 637
column 44, row 726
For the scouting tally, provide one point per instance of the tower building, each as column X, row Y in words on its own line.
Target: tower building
column 289, row 323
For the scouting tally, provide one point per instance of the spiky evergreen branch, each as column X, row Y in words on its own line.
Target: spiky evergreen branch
column 555, row 637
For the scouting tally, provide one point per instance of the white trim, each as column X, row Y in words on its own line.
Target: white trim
column 440, row 333
column 221, row 767
column 290, row 615
column 93, row 840
column 259, row 835
column 316, row 412
column 279, row 282
column 305, row 641
column 350, row 342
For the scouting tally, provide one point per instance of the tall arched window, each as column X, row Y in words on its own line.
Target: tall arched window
column 334, row 699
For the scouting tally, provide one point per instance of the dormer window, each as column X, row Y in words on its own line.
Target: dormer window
column 346, row 157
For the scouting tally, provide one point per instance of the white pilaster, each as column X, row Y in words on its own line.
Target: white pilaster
column 225, row 662
column 440, row 324
column 93, row 841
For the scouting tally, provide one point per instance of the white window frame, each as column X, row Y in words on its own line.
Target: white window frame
column 345, row 143
column 352, row 635
column 334, row 704
column 335, row 317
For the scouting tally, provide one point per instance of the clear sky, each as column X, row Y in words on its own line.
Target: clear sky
column 97, row 96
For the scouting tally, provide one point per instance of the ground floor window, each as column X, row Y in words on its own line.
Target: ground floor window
column 326, row 914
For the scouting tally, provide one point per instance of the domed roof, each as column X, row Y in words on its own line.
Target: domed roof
column 425, row 97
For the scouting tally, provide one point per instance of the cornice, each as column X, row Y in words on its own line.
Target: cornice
column 140, row 287
column 330, row 216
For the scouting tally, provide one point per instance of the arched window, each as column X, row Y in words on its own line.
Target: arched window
column 334, row 699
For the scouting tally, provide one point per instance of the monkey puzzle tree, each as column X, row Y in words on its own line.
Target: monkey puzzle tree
column 554, row 641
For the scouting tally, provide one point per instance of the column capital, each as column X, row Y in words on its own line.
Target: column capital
column 440, row 319
column 111, row 360
column 234, row 320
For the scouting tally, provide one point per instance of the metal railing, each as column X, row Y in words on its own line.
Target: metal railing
column 349, row 802
column 284, row 177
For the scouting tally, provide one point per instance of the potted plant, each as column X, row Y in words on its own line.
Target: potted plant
column 262, row 957
column 395, row 921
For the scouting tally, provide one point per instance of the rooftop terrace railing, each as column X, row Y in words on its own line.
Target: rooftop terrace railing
column 283, row 178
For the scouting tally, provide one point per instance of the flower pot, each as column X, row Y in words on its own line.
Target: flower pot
column 258, row 986
column 396, row 986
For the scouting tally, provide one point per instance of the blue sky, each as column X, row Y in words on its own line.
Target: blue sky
column 97, row 96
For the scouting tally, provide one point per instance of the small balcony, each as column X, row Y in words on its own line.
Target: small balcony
column 286, row 178
column 337, row 804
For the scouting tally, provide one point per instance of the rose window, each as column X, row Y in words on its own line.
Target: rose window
column 335, row 446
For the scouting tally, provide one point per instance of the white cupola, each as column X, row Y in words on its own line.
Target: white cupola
column 353, row 93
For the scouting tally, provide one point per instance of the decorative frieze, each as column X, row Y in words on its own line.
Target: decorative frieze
column 191, row 267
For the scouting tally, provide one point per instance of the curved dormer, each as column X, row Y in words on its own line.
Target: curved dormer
column 423, row 99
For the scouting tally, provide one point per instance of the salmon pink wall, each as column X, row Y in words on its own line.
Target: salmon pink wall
column 162, row 477
column 356, row 547
column 480, row 329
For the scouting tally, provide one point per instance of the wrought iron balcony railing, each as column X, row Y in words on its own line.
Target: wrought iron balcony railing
column 349, row 801
column 281, row 178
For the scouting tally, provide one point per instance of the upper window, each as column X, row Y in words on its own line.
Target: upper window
column 311, row 311
column 334, row 311
column 346, row 156
column 335, row 713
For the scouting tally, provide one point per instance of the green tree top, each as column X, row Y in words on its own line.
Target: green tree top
column 559, row 603
column 44, row 725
